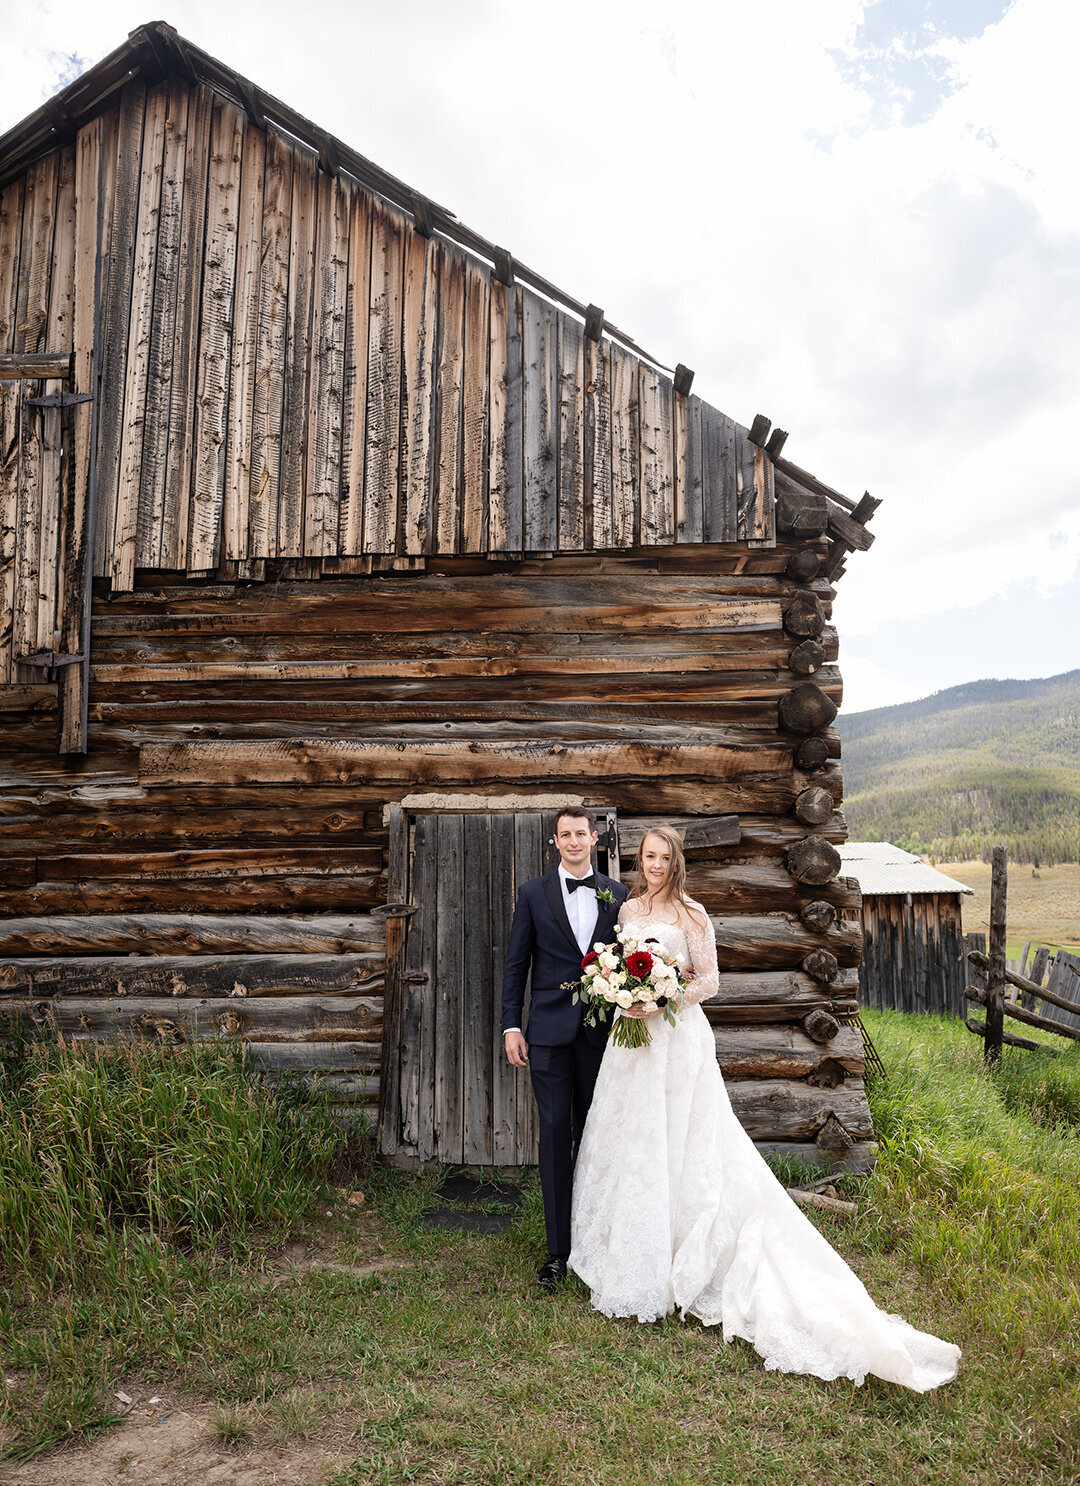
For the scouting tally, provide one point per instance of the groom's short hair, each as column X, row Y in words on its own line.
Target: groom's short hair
column 575, row 812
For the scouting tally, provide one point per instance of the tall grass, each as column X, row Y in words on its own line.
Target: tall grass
column 115, row 1149
column 978, row 1182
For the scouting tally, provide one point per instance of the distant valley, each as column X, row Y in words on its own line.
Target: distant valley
column 950, row 775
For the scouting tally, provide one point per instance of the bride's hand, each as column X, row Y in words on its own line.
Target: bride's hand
column 641, row 1012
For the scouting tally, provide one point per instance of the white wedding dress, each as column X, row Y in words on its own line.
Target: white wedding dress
column 675, row 1210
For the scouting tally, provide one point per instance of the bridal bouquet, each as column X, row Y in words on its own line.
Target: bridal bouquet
column 631, row 972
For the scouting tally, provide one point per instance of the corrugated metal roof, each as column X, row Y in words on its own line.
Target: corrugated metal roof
column 881, row 867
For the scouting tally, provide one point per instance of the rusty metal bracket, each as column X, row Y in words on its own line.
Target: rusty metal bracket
column 60, row 399
column 48, row 659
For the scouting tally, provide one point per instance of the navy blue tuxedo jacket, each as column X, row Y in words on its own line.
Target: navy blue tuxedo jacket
column 542, row 940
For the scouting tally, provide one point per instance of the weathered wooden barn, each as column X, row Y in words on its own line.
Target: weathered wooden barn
column 339, row 549
column 913, row 946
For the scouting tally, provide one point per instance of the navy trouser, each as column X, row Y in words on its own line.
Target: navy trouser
column 563, row 1079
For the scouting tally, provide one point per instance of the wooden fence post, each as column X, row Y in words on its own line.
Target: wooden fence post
column 995, row 976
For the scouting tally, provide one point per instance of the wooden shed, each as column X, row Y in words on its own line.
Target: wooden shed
column 339, row 549
column 913, row 940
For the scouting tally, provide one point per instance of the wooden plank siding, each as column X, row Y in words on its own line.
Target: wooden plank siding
column 913, row 953
column 290, row 370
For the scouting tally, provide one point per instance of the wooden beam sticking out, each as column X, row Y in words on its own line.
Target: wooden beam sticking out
column 865, row 509
column 759, row 429
column 720, row 830
column 979, row 1028
column 504, row 266
column 1031, row 987
column 848, row 530
column 995, row 973
column 1010, row 1008
column 421, row 212
column 45, row 366
column 684, row 380
column 777, row 439
column 594, row 322
column 811, row 482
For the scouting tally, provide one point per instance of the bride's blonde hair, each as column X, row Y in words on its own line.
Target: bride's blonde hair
column 674, row 884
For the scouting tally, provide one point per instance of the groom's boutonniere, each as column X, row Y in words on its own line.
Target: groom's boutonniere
column 605, row 896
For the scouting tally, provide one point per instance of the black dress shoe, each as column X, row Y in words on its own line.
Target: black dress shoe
column 551, row 1273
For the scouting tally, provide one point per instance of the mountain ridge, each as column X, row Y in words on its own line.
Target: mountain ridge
column 950, row 774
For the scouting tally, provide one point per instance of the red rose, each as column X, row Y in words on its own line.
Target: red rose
column 592, row 955
column 639, row 963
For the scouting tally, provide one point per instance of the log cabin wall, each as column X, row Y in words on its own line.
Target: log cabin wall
column 321, row 513
column 229, row 822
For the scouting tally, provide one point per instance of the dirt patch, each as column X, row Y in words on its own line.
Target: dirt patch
column 165, row 1444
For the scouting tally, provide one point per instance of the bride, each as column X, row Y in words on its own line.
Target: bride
column 675, row 1210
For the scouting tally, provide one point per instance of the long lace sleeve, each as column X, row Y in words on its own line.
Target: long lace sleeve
column 701, row 942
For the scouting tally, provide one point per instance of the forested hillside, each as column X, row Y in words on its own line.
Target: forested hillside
column 953, row 773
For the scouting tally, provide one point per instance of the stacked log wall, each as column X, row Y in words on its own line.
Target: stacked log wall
column 214, row 862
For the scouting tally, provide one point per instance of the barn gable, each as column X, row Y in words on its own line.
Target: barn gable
column 338, row 549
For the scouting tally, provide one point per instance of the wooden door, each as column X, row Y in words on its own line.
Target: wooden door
column 449, row 1093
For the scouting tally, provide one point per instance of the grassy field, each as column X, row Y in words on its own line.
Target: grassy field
column 345, row 1343
column 1043, row 904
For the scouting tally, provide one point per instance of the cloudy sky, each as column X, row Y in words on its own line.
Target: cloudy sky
column 859, row 217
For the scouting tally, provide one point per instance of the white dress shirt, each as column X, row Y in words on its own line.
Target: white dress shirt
column 580, row 908
column 580, row 905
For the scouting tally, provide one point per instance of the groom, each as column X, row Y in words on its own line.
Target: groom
column 557, row 919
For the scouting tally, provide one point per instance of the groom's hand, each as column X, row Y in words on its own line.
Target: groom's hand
column 517, row 1050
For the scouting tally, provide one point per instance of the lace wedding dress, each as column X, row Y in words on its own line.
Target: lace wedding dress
column 675, row 1210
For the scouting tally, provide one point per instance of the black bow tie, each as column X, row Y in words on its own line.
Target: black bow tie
column 576, row 882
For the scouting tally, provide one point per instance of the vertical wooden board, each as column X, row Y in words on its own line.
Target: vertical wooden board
column 27, row 534
column 300, row 314
column 36, row 253
column 162, row 348
column 625, row 449
column 449, row 1017
column 506, row 488
column 504, row 1078
column 383, row 433
column 688, row 512
column 571, row 462
column 746, row 484
column 528, row 856
column 354, row 425
column 56, row 445
column 763, row 523
column 10, row 398
column 121, row 157
column 39, row 429
column 73, row 596
column 719, row 476
column 474, row 416
column 448, row 401
column 597, row 434
column 480, row 1019
column 541, row 423
column 418, row 994
column 270, row 352
column 182, row 412
column 656, row 395
column 140, row 322
column 322, row 503
column 397, row 886
column 418, row 336
column 11, row 209
column 215, row 335
column 10, row 422
column 244, row 352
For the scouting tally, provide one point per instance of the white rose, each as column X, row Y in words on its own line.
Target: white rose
column 599, row 945
column 624, row 999
column 609, row 992
column 609, row 961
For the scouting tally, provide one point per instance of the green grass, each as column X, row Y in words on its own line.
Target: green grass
column 450, row 1370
